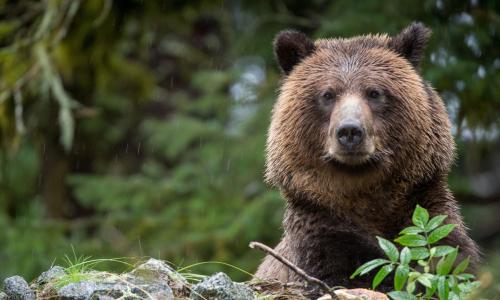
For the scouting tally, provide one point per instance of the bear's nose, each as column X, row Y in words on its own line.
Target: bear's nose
column 350, row 135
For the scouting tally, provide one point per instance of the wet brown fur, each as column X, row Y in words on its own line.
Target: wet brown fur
column 332, row 214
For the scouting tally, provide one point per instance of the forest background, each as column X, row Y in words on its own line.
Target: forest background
column 137, row 128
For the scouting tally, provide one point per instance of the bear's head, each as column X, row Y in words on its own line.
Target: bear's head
column 354, row 113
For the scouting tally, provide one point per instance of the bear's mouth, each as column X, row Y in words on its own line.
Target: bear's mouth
column 357, row 163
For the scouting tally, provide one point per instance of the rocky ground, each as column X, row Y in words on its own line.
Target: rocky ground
column 154, row 279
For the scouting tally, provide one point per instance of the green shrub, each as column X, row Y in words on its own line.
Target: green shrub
column 435, row 273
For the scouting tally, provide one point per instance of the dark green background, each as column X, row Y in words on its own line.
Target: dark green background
column 137, row 128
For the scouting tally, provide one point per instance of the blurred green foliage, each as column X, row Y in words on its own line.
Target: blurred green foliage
column 137, row 128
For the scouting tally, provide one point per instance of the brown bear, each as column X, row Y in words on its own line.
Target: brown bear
column 357, row 139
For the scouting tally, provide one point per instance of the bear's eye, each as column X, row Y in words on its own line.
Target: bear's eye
column 327, row 98
column 373, row 94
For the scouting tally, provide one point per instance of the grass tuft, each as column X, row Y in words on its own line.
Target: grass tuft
column 184, row 271
column 80, row 268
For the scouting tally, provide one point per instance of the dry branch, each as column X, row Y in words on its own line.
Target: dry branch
column 312, row 280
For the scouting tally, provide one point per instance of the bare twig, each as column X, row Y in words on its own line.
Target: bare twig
column 107, row 4
column 73, row 7
column 313, row 280
column 18, row 111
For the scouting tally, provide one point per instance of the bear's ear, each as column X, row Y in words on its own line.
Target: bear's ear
column 290, row 47
column 411, row 42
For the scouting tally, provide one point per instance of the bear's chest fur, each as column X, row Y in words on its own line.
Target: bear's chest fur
column 327, row 243
column 376, row 212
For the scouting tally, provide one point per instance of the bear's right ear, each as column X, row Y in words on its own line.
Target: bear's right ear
column 290, row 47
column 411, row 42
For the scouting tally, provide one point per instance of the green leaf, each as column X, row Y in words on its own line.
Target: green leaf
column 439, row 266
column 410, row 287
column 390, row 250
column 453, row 284
column 468, row 287
column 412, row 240
column 445, row 264
column 451, row 281
column 435, row 222
column 425, row 280
column 440, row 233
column 411, row 230
column 443, row 288
column 465, row 276
column 422, row 263
column 367, row 267
column 420, row 217
column 430, row 291
column 442, row 250
column 400, row 277
column 405, row 257
column 381, row 274
column 413, row 275
column 398, row 295
column 461, row 266
column 419, row 253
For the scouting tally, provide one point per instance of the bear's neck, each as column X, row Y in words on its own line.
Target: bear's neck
column 377, row 212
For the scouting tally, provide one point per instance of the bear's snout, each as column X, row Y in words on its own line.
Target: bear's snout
column 350, row 134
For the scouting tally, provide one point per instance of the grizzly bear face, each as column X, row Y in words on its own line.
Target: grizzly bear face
column 354, row 113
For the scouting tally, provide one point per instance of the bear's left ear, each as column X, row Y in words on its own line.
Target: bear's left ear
column 290, row 47
column 411, row 42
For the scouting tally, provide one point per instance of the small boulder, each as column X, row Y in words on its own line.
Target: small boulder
column 114, row 290
column 51, row 274
column 220, row 287
column 125, row 290
column 156, row 291
column 101, row 297
column 155, row 270
column 17, row 288
column 77, row 291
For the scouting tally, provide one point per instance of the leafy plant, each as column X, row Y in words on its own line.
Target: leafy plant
column 434, row 274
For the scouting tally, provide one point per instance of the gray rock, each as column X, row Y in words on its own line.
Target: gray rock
column 135, row 280
column 154, row 291
column 101, row 297
column 155, row 270
column 17, row 288
column 85, row 290
column 51, row 274
column 112, row 290
column 155, row 288
column 148, row 281
column 77, row 291
column 220, row 287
